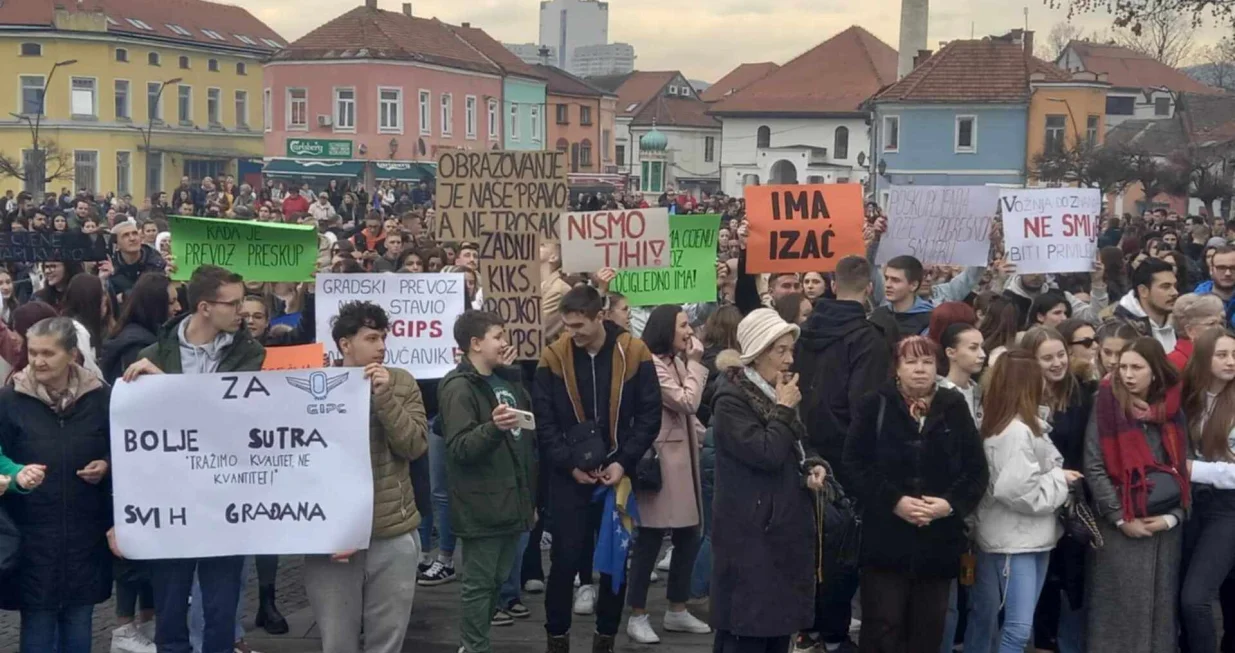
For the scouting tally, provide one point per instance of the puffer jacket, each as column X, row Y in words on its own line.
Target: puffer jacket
column 398, row 434
column 1026, row 487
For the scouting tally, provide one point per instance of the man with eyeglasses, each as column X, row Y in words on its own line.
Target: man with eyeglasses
column 1222, row 279
column 208, row 340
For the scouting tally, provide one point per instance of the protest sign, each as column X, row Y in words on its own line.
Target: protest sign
column 508, row 203
column 422, row 310
column 692, row 242
column 622, row 240
column 807, row 228
column 36, row 246
column 257, row 251
column 256, row 463
column 940, row 224
column 296, row 357
column 1051, row 229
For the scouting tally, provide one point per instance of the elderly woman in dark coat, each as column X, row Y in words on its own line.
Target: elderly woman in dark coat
column 765, row 543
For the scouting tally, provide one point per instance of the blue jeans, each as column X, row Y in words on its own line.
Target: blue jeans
column 512, row 588
column 1013, row 581
column 220, row 587
column 441, row 495
column 1071, row 637
column 421, row 485
column 197, row 621
column 701, row 575
column 66, row 630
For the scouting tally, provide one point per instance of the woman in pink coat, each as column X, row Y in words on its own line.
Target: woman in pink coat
column 675, row 507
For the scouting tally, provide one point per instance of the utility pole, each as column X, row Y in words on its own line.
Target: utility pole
column 37, row 158
column 148, row 133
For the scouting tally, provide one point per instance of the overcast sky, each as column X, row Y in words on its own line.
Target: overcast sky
column 706, row 38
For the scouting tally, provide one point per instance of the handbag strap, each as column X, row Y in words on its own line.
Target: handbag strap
column 883, row 404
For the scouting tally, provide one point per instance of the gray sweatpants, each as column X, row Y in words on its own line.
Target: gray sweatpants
column 374, row 591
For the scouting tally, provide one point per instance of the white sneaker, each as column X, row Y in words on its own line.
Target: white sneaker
column 129, row 639
column 654, row 577
column 585, row 600
column 639, row 628
column 546, row 541
column 147, row 629
column 664, row 563
column 685, row 622
column 577, row 583
column 534, row 586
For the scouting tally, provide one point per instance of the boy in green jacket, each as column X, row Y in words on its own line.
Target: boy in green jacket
column 490, row 464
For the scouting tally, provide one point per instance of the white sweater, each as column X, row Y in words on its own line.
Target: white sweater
column 1027, row 485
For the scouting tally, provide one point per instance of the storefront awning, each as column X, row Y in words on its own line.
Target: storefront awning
column 308, row 168
column 403, row 171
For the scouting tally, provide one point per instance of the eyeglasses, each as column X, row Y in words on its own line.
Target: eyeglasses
column 1224, row 269
column 1084, row 342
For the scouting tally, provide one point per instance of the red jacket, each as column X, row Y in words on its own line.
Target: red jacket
column 295, row 203
column 1183, row 352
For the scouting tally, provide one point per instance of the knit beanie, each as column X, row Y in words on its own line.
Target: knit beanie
column 758, row 330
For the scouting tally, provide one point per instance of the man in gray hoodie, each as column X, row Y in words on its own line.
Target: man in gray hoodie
column 1148, row 305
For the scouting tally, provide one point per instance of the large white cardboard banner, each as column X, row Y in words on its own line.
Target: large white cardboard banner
column 1051, row 229
column 422, row 309
column 618, row 239
column 940, row 224
column 250, row 463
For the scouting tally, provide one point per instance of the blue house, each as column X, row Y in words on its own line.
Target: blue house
column 960, row 117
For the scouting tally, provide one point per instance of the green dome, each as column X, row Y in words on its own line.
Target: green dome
column 654, row 141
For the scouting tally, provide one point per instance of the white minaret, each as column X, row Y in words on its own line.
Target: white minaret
column 914, row 15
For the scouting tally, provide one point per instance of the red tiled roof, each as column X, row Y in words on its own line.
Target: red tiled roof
column 835, row 76
column 1126, row 68
column 495, row 51
column 638, row 88
column 365, row 33
column 988, row 70
column 193, row 16
column 736, row 80
column 564, row 83
column 676, row 112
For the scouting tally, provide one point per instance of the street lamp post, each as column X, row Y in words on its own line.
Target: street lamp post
column 36, row 123
column 148, row 132
column 1076, row 130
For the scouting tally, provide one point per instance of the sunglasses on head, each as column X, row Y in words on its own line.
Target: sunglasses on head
column 1084, row 342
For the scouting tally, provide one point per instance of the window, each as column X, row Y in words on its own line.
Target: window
column 140, row 24
column 244, row 39
column 179, row 30
column 297, row 109
column 213, row 34
column 673, row 90
column 153, row 59
column 448, row 119
column 122, row 55
column 631, row 108
column 686, row 92
column 184, row 106
column 273, row 44
column 212, row 65
column 563, row 145
column 242, row 68
column 585, row 153
column 1055, row 125
column 184, row 63
column 621, row 155
column 1162, row 106
column 1120, row 106
column 469, row 116
column 891, row 133
column 267, row 111
column 83, row 99
column 31, row 49
column 763, row 136
column 563, row 114
column 154, row 172
column 653, row 176
column 124, row 173
column 605, row 138
column 86, row 169
column 344, row 109
column 840, row 143
column 31, row 95
column 535, row 116
column 493, row 132
column 966, row 134
column 585, row 115
column 122, row 100
column 709, row 149
column 154, row 112
column 426, row 118
column 1091, row 129
column 513, row 127
column 242, row 109
column 214, row 98
column 390, row 110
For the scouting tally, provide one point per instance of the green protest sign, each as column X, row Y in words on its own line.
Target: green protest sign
column 257, row 251
column 692, row 277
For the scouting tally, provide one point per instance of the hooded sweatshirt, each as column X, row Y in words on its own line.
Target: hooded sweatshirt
column 914, row 322
column 1206, row 287
column 1129, row 309
column 1081, row 309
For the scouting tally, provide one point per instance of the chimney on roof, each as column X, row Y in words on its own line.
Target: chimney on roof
column 914, row 16
column 371, row 4
column 543, row 52
column 467, row 24
column 921, row 57
column 1027, row 40
column 407, row 9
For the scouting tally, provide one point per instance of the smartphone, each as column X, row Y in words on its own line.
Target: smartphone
column 526, row 419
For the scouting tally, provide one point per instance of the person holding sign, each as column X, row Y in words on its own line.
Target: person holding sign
column 491, row 463
column 372, row 591
column 61, row 507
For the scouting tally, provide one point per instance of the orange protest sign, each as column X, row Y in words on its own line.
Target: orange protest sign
column 803, row 228
column 296, row 357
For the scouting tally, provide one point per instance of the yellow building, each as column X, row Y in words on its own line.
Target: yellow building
column 132, row 94
column 1060, row 112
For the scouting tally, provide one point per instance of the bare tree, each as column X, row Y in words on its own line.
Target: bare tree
column 44, row 163
column 1061, row 34
column 1134, row 14
column 1220, row 64
column 1167, row 36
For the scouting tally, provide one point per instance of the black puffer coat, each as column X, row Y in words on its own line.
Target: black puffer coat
column 64, row 559
column 121, row 351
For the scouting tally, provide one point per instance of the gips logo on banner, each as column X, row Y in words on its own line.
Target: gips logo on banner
column 319, row 386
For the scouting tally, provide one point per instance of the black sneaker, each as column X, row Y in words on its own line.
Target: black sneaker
column 517, row 610
column 807, row 643
column 422, row 568
column 502, row 618
column 436, row 574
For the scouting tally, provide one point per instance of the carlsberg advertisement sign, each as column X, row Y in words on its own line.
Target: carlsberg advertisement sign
column 318, row 148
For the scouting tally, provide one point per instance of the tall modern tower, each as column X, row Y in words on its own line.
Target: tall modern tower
column 914, row 16
column 568, row 24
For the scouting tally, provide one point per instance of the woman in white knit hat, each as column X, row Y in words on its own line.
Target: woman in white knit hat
column 765, row 542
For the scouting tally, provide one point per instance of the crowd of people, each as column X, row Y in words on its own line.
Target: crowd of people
column 985, row 458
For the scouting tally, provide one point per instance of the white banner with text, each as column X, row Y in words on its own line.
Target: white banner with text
column 1051, row 229
column 940, row 224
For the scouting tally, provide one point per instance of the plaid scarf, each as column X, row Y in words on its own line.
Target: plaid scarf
column 1126, row 453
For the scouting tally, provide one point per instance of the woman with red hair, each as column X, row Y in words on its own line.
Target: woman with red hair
column 947, row 314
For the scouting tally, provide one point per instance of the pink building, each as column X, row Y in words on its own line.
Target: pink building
column 377, row 95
